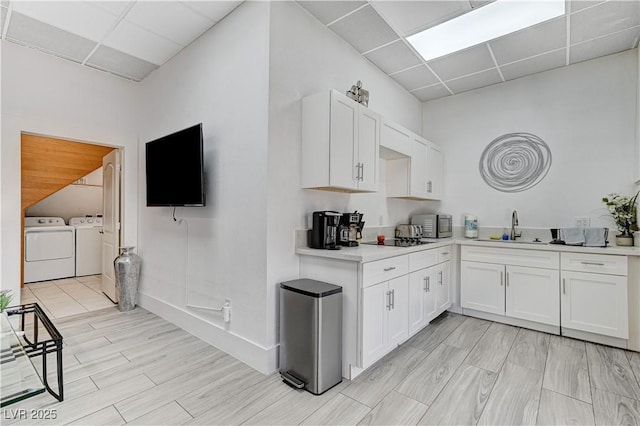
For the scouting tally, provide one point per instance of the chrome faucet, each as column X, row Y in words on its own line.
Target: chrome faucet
column 514, row 223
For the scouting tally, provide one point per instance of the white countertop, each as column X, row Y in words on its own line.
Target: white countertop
column 369, row 253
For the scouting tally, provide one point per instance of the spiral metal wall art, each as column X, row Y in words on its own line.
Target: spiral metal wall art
column 515, row 162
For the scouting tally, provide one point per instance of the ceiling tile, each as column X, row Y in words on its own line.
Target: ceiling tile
column 329, row 11
column 464, row 62
column 603, row 46
column 416, row 77
column 603, row 19
column 77, row 17
column 577, row 5
column 479, row 3
column 545, row 37
column 365, row 30
column 116, row 8
column 394, row 57
column 169, row 19
column 535, row 65
column 409, row 17
column 214, row 10
column 31, row 32
column 108, row 59
column 432, row 92
column 475, row 81
column 135, row 41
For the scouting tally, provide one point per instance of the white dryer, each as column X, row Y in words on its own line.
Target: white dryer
column 49, row 249
column 88, row 245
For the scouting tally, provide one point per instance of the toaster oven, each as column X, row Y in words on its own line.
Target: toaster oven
column 434, row 225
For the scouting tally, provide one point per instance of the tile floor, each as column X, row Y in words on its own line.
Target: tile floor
column 67, row 296
column 134, row 367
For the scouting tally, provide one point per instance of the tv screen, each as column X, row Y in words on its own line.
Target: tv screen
column 175, row 175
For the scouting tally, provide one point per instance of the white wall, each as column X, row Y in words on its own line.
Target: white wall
column 73, row 200
column 586, row 113
column 219, row 251
column 49, row 96
column 307, row 58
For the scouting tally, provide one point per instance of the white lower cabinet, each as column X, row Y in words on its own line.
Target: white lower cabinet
column 384, row 318
column 422, row 298
column 516, row 291
column 595, row 302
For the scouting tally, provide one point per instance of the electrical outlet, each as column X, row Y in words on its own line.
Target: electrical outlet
column 583, row 221
column 226, row 310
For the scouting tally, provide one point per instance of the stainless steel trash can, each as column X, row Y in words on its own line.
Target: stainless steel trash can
column 311, row 334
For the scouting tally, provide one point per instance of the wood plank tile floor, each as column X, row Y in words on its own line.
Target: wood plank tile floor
column 137, row 368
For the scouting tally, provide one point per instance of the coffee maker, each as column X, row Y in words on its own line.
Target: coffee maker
column 324, row 230
column 350, row 229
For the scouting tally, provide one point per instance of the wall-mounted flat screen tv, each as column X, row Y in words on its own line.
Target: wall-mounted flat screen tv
column 174, row 165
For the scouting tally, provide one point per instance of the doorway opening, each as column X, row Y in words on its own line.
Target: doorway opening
column 70, row 214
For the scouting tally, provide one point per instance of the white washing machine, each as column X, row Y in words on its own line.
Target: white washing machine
column 88, row 245
column 49, row 249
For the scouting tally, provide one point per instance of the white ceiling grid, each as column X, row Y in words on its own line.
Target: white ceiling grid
column 126, row 38
column 132, row 38
column 378, row 29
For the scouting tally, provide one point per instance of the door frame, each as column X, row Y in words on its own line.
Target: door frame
column 120, row 152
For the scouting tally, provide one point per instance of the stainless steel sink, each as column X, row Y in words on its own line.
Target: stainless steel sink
column 488, row 240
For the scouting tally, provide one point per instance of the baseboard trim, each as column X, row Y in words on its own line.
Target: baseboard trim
column 517, row 322
column 263, row 359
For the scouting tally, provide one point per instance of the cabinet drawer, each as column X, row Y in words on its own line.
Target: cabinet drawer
column 385, row 269
column 516, row 257
column 444, row 254
column 598, row 263
column 423, row 259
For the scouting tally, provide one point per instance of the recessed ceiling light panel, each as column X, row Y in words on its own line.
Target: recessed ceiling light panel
column 483, row 24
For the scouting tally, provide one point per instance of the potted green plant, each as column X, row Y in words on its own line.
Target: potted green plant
column 5, row 299
column 623, row 211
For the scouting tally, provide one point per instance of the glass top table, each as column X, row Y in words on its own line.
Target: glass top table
column 20, row 379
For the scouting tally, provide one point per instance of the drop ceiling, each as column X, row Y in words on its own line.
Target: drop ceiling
column 126, row 38
column 378, row 29
column 132, row 38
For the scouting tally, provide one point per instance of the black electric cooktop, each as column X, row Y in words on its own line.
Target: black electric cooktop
column 399, row 242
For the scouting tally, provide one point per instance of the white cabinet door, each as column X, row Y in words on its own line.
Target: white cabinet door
column 434, row 178
column 482, row 287
column 395, row 138
column 343, row 145
column 375, row 308
column 443, row 274
column 533, row 294
column 418, row 169
column 368, row 149
column 596, row 303
column 417, row 299
column 398, row 319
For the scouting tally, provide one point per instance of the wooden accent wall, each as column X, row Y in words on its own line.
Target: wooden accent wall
column 49, row 164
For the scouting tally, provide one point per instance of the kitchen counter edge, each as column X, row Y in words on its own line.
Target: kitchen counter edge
column 369, row 253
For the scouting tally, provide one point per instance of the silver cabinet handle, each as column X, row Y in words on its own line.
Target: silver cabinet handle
column 440, row 277
column 428, row 284
column 388, row 301
column 425, row 284
column 393, row 299
column 361, row 171
column 501, row 278
column 445, row 253
column 564, row 286
column 593, row 263
column 429, row 186
column 391, row 268
column 507, row 279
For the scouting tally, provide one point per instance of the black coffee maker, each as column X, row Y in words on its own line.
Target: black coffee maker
column 324, row 230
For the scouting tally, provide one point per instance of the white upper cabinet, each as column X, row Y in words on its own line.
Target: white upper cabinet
column 434, row 177
column 395, row 140
column 416, row 176
column 340, row 144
